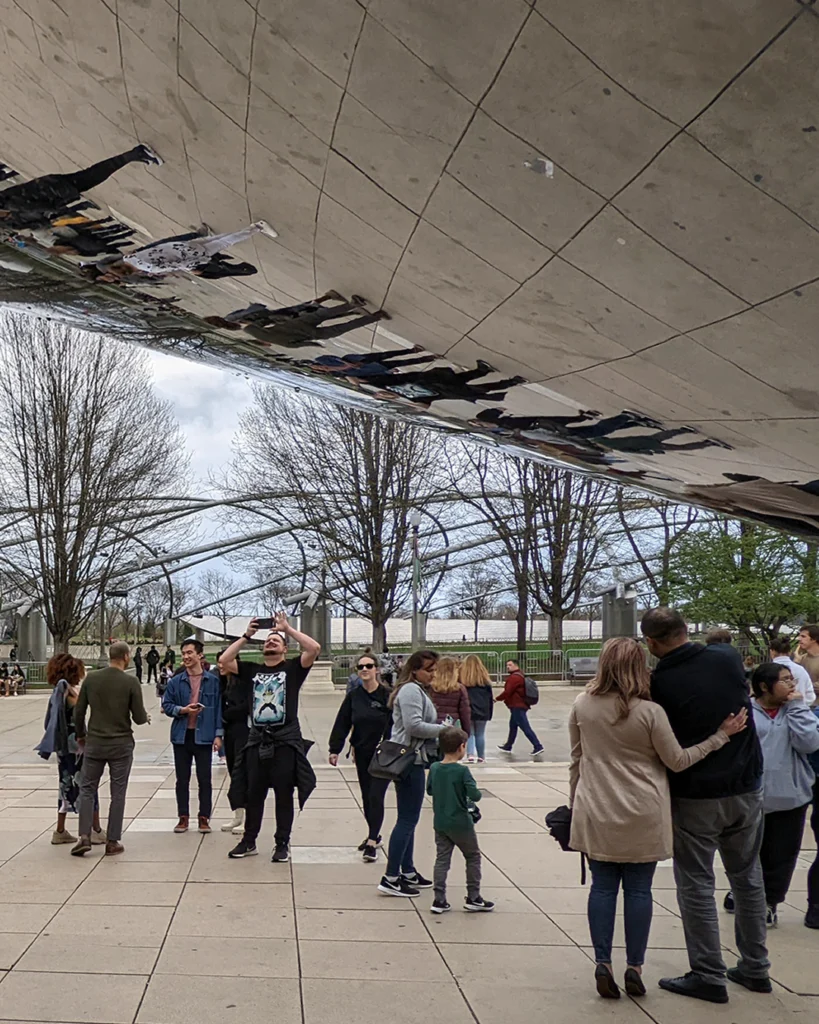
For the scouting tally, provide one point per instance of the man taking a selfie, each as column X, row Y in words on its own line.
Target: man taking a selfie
column 193, row 700
column 276, row 755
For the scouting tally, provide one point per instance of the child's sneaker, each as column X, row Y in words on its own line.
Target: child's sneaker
column 440, row 907
column 478, row 904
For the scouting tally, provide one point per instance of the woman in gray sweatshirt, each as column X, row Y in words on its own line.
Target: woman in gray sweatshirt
column 788, row 732
column 414, row 721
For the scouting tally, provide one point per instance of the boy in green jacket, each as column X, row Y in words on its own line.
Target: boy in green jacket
column 454, row 794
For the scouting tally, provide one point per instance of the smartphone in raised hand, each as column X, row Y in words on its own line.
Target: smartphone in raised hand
column 266, row 623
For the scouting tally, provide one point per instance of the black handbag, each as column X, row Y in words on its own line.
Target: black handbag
column 559, row 824
column 392, row 761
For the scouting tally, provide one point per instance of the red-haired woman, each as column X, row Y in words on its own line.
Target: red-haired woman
column 66, row 674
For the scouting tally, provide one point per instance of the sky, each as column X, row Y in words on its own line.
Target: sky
column 207, row 403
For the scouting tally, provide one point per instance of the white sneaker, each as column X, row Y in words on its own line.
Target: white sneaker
column 237, row 826
column 266, row 229
column 99, row 838
column 60, row 838
column 151, row 155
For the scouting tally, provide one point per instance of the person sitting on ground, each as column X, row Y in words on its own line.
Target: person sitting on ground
column 454, row 793
column 18, row 678
column 449, row 695
column 789, row 733
column 622, row 744
column 365, row 717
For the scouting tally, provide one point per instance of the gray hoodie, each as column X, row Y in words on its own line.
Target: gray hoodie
column 786, row 741
column 414, row 717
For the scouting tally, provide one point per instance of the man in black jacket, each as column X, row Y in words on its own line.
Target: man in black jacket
column 716, row 805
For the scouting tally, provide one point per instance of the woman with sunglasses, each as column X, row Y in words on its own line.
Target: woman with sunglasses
column 365, row 718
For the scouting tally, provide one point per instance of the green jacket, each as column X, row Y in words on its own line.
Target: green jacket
column 452, row 788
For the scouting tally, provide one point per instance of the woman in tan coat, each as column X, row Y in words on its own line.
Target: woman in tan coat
column 622, row 744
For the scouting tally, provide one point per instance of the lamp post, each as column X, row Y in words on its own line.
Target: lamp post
column 415, row 523
column 103, row 595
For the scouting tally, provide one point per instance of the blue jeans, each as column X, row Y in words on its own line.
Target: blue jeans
column 637, row 908
column 409, row 793
column 519, row 719
column 476, row 744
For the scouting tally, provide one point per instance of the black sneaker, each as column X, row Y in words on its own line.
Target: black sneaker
column 281, row 854
column 243, row 849
column 417, row 881
column 772, row 918
column 478, row 904
column 812, row 916
column 693, row 986
column 440, row 907
column 728, row 902
column 739, row 977
column 150, row 156
column 538, row 750
column 399, row 888
column 505, row 749
column 362, row 845
column 370, row 854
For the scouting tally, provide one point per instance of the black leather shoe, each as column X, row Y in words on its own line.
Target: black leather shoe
column 690, row 985
column 606, row 985
column 738, row 976
column 634, row 983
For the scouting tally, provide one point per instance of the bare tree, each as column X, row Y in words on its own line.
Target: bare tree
column 652, row 527
column 215, row 590
column 82, row 439
column 476, row 589
column 348, row 482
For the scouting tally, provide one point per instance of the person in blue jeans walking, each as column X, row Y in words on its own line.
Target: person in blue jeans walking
column 622, row 744
column 514, row 697
column 193, row 701
column 475, row 678
column 414, row 723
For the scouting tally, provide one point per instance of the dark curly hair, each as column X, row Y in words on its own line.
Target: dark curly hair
column 63, row 666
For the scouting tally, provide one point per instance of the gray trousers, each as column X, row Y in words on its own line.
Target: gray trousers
column 467, row 843
column 733, row 826
column 119, row 769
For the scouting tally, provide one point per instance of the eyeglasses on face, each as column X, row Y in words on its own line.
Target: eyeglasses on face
column 365, row 664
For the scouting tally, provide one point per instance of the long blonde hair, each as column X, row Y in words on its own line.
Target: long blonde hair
column 622, row 670
column 474, row 672
column 446, row 676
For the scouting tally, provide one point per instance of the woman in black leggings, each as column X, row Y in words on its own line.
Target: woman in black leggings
column 235, row 711
column 364, row 717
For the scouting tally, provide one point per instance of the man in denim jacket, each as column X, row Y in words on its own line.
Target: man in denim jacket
column 192, row 699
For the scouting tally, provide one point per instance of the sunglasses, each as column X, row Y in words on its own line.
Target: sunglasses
column 367, row 664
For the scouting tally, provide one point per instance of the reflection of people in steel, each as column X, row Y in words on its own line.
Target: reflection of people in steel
column 176, row 255
column 87, row 238
column 422, row 387
column 367, row 364
column 303, row 324
column 6, row 172
column 547, row 428
column 38, row 202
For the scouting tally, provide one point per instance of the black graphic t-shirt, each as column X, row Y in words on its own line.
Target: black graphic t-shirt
column 274, row 691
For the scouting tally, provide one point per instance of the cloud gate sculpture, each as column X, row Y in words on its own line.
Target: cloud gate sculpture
column 585, row 231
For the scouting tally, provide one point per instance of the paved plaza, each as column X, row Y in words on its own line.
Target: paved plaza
column 173, row 931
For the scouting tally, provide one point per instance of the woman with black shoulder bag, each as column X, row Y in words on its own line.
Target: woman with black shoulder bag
column 415, row 730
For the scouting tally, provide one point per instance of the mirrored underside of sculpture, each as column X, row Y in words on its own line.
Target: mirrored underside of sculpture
column 572, row 230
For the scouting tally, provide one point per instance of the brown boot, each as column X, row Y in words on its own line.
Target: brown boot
column 182, row 824
column 112, row 848
column 204, row 824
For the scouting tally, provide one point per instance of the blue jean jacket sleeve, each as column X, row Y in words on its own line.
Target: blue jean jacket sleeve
column 170, row 699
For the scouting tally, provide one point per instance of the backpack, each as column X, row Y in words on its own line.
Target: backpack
column 530, row 691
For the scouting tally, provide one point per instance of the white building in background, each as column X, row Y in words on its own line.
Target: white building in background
column 439, row 631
